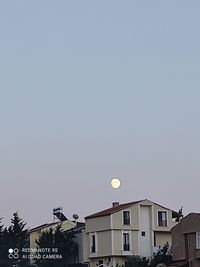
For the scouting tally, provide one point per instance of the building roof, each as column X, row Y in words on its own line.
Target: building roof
column 193, row 215
column 198, row 214
column 42, row 226
column 123, row 206
column 46, row 225
column 112, row 210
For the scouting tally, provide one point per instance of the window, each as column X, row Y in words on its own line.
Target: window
column 162, row 218
column 154, row 239
column 93, row 243
column 126, row 241
column 198, row 240
column 126, row 217
column 143, row 233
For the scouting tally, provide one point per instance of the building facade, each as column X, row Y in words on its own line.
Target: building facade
column 186, row 241
column 78, row 235
column 134, row 229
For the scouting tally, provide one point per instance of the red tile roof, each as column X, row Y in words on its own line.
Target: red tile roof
column 112, row 210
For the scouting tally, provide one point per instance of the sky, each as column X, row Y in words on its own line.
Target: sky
column 91, row 90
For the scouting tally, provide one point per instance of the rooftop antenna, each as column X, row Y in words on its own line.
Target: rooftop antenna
column 58, row 214
column 181, row 211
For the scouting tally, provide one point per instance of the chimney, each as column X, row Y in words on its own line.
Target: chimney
column 115, row 204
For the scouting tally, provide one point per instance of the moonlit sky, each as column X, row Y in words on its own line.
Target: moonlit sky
column 91, row 90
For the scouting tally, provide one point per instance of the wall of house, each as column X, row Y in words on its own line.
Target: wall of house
column 162, row 238
column 191, row 223
column 191, row 245
column 117, row 242
column 78, row 238
column 98, row 224
column 66, row 225
column 169, row 219
column 157, row 208
column 33, row 237
column 184, row 239
column 104, row 246
column 193, row 253
column 117, row 219
column 135, row 241
column 196, row 263
column 86, row 248
column 178, row 243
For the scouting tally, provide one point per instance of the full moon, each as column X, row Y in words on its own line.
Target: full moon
column 115, row 183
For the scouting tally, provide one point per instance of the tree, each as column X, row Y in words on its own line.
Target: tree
column 163, row 255
column 18, row 238
column 4, row 246
column 56, row 242
column 3, row 254
column 14, row 237
column 45, row 241
column 137, row 262
column 1, row 234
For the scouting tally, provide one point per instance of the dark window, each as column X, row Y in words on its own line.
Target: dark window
column 126, row 217
column 143, row 233
column 162, row 218
column 126, row 241
column 93, row 247
column 154, row 239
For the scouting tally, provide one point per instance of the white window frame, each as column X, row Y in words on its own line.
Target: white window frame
column 123, row 217
column 130, row 242
column 166, row 216
column 96, row 247
column 197, row 240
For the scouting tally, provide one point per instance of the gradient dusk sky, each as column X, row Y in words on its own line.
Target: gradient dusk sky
column 90, row 90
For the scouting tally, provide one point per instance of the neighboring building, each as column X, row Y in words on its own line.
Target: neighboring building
column 127, row 230
column 186, row 241
column 78, row 231
column 66, row 225
column 36, row 232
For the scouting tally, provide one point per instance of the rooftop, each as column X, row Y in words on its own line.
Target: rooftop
column 109, row 211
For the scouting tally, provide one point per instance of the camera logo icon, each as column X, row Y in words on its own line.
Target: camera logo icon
column 13, row 253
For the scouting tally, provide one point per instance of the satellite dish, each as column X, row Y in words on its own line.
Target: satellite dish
column 75, row 216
